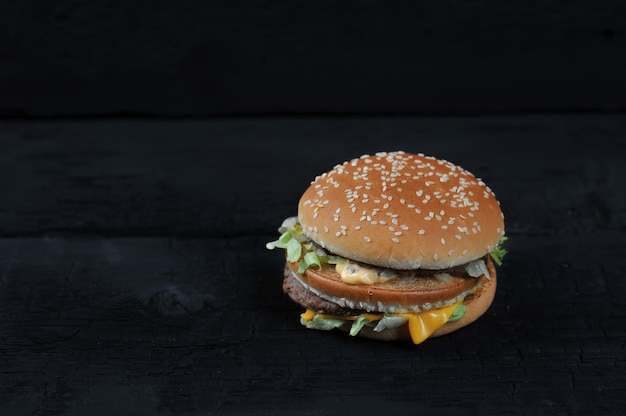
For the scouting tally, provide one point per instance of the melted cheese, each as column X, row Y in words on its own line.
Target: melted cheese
column 356, row 274
column 421, row 325
column 308, row 315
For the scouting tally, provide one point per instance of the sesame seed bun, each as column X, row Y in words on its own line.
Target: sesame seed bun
column 402, row 211
column 410, row 234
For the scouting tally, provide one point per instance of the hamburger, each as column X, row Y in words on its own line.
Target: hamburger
column 394, row 246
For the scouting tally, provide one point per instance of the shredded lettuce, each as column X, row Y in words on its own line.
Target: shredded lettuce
column 497, row 254
column 390, row 321
column 458, row 313
column 299, row 248
column 294, row 250
column 358, row 324
column 477, row 268
column 322, row 324
column 310, row 259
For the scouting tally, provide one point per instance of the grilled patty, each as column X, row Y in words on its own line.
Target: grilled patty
column 299, row 294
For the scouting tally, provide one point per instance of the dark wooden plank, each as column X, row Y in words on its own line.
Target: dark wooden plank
column 241, row 176
column 134, row 277
column 194, row 58
column 200, row 325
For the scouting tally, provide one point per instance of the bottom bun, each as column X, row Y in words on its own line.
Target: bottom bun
column 476, row 305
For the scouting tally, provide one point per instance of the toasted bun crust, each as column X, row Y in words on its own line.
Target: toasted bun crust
column 476, row 305
column 402, row 211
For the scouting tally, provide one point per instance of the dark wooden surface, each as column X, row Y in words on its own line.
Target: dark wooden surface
column 328, row 56
column 134, row 277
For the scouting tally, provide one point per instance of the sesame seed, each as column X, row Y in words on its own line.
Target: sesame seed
column 338, row 233
column 367, row 239
column 458, row 236
column 395, row 240
column 443, row 241
column 421, row 232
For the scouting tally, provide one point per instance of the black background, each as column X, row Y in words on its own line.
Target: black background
column 257, row 57
column 149, row 150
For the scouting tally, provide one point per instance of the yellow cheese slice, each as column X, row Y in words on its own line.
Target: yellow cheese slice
column 421, row 325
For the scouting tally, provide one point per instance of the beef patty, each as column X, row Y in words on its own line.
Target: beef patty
column 300, row 294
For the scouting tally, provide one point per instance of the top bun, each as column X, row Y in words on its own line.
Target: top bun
column 402, row 211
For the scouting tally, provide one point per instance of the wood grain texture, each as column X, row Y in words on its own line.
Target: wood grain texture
column 226, row 57
column 134, row 277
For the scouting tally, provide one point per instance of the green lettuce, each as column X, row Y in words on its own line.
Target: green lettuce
column 358, row 324
column 497, row 254
column 458, row 313
column 390, row 321
column 299, row 248
column 322, row 324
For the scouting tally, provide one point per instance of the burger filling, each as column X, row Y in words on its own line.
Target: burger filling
column 325, row 312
